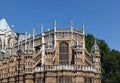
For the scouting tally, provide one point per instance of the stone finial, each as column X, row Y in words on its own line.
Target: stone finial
column 95, row 48
column 71, row 24
column 41, row 28
column 83, row 28
column 55, row 25
column 33, row 37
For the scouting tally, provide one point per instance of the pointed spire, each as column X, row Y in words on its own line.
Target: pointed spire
column 25, row 33
column 25, row 41
column 71, row 24
column 83, row 32
column 55, row 25
column 41, row 28
column 95, row 48
column 33, row 32
column 83, row 28
column 43, row 48
column 33, row 37
column 71, row 27
column 13, row 34
column 96, row 45
column 54, row 33
column 12, row 26
column 77, row 40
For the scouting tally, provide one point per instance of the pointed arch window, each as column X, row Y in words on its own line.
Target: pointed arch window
column 63, row 53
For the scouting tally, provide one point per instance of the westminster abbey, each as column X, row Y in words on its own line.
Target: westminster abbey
column 55, row 56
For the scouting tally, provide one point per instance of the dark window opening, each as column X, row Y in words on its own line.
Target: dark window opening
column 87, row 80
column 63, row 53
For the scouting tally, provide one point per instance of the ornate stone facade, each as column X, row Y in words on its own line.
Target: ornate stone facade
column 55, row 56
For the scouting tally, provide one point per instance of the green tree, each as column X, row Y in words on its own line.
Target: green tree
column 89, row 41
column 110, row 60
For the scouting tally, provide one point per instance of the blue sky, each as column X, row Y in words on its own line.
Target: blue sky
column 101, row 17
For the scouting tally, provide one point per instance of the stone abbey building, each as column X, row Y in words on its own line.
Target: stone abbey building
column 56, row 56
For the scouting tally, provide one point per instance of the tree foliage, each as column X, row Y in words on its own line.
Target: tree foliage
column 110, row 60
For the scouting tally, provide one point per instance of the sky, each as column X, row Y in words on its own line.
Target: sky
column 101, row 17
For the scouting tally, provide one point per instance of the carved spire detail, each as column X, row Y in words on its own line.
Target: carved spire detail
column 83, row 28
column 71, row 24
column 95, row 48
column 41, row 28
column 55, row 25
column 33, row 37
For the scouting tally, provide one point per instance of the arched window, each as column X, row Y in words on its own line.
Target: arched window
column 63, row 53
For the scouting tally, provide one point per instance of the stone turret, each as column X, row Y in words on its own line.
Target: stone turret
column 79, row 51
column 95, row 49
column 96, row 56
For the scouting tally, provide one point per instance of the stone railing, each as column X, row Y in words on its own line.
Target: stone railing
column 38, row 69
column 64, row 67
column 89, row 68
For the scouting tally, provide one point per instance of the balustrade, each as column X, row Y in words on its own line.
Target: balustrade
column 64, row 67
